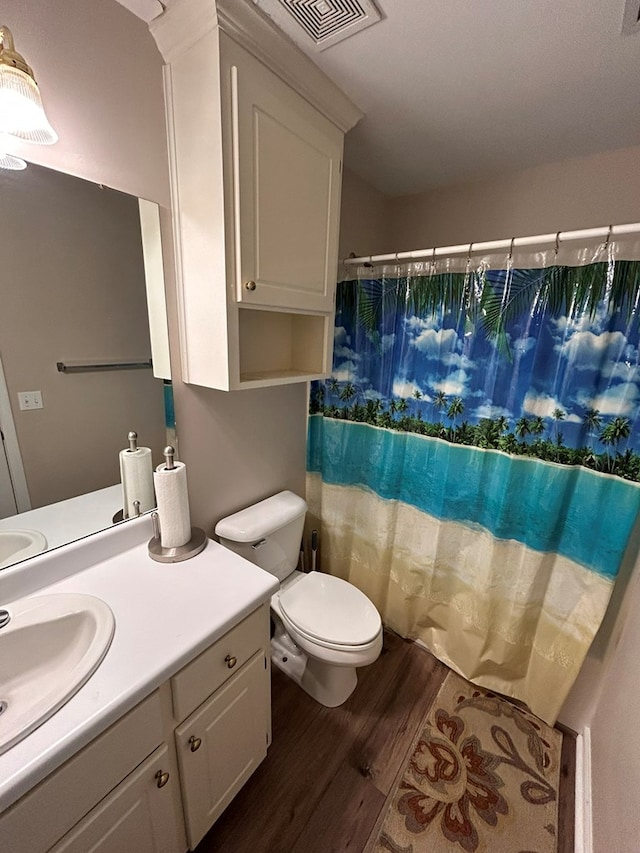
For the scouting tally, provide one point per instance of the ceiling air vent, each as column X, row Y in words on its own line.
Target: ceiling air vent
column 631, row 18
column 323, row 22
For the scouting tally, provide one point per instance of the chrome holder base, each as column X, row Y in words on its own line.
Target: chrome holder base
column 196, row 544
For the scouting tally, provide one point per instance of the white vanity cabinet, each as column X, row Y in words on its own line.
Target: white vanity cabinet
column 128, row 790
column 256, row 163
column 115, row 774
column 220, row 745
column 227, row 731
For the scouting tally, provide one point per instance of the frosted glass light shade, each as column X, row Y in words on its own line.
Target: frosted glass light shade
column 8, row 161
column 21, row 112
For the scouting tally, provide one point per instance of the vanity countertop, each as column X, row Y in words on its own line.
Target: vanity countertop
column 165, row 615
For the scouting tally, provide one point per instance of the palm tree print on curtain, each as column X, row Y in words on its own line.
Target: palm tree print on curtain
column 480, row 433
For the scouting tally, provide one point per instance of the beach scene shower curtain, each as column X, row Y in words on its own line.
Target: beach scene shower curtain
column 474, row 458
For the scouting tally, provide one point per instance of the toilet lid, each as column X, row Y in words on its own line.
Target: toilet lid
column 331, row 610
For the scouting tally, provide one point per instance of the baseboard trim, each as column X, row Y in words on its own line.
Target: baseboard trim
column 584, row 826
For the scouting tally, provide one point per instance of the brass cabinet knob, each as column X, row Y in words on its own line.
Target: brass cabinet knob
column 195, row 743
column 250, row 285
column 161, row 778
column 230, row 661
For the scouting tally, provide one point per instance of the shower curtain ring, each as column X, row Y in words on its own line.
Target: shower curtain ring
column 606, row 242
column 557, row 242
column 469, row 257
column 510, row 258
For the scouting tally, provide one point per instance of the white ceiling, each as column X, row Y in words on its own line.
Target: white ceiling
column 460, row 90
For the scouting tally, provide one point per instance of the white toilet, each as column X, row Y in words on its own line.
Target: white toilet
column 324, row 626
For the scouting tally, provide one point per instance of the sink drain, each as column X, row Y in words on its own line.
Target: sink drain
column 3, row 706
column 5, row 618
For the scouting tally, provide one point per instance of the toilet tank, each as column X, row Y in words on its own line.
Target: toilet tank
column 267, row 533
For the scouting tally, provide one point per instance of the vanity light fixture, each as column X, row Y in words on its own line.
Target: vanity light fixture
column 22, row 115
column 8, row 161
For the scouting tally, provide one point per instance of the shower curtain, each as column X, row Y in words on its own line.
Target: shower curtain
column 474, row 458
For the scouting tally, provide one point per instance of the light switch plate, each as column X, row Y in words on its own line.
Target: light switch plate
column 30, row 400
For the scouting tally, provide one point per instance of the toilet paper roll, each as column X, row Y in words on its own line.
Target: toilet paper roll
column 173, row 505
column 136, row 476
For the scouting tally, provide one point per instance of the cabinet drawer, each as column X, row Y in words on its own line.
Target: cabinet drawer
column 198, row 680
column 47, row 812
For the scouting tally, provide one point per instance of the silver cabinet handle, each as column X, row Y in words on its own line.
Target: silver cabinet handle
column 250, row 285
column 230, row 661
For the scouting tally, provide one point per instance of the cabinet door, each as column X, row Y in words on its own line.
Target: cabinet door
column 221, row 744
column 287, row 181
column 137, row 816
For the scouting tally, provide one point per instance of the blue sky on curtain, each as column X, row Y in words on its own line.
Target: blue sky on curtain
column 486, row 420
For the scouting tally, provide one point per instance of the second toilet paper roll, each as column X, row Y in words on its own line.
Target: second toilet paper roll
column 173, row 505
column 136, row 476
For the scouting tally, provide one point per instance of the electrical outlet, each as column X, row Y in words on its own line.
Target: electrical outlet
column 30, row 400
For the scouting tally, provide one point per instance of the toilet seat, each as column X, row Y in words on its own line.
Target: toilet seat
column 320, row 648
column 330, row 612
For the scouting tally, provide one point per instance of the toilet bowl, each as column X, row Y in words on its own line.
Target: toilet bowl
column 324, row 627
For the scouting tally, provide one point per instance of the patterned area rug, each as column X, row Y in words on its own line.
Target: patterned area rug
column 481, row 777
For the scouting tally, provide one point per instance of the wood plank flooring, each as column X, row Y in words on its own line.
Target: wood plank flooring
column 329, row 771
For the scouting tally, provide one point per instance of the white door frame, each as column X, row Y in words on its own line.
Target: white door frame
column 14, row 457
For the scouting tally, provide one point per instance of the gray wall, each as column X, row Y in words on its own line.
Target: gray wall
column 585, row 192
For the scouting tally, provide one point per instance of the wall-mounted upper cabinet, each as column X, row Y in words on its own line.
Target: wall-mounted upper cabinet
column 255, row 136
column 287, row 177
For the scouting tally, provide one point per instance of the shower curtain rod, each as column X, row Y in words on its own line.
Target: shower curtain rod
column 493, row 245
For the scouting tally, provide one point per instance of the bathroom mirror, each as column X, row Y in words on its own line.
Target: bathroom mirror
column 75, row 350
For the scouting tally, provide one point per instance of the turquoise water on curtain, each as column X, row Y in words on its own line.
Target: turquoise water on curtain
column 585, row 516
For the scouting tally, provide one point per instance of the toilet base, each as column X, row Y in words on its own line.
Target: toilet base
column 328, row 684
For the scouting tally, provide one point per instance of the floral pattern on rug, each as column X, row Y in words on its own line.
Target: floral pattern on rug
column 482, row 776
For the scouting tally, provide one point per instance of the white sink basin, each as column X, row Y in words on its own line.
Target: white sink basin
column 48, row 649
column 16, row 545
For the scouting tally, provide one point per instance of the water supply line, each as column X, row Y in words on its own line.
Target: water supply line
column 314, row 549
